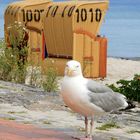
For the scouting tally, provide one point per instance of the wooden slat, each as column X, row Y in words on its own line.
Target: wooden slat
column 35, row 49
column 78, row 48
column 95, row 53
column 103, row 58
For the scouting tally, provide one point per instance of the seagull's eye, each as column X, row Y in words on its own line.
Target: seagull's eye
column 77, row 66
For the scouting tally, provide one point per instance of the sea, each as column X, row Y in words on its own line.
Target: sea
column 121, row 26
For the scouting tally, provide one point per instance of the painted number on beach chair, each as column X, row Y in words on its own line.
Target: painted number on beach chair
column 83, row 14
column 32, row 15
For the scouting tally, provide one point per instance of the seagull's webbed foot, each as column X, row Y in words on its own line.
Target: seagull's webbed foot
column 87, row 136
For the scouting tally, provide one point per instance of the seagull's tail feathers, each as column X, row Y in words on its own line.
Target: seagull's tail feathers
column 128, row 103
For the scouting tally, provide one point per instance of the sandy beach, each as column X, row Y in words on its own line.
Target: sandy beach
column 118, row 68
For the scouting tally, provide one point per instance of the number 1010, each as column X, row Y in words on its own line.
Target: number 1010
column 84, row 14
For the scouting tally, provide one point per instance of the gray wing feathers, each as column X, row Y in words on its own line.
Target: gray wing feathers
column 108, row 101
column 97, row 87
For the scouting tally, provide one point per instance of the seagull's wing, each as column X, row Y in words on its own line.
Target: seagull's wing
column 95, row 87
column 108, row 101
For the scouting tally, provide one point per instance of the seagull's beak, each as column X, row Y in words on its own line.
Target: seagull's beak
column 69, row 72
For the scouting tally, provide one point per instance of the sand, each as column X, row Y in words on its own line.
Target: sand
column 118, row 68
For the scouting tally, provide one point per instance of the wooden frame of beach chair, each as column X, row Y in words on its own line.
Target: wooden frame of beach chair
column 61, row 31
column 70, row 30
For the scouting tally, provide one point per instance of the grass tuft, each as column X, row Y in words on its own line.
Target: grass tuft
column 133, row 131
column 108, row 126
column 112, row 138
column 10, row 118
column 46, row 122
column 13, row 112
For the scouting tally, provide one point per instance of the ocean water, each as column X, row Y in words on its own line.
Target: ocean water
column 2, row 8
column 121, row 27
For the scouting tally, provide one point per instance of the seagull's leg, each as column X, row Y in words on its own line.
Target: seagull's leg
column 86, row 127
column 91, row 127
column 86, row 131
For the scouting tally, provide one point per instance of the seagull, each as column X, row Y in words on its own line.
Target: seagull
column 88, row 97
